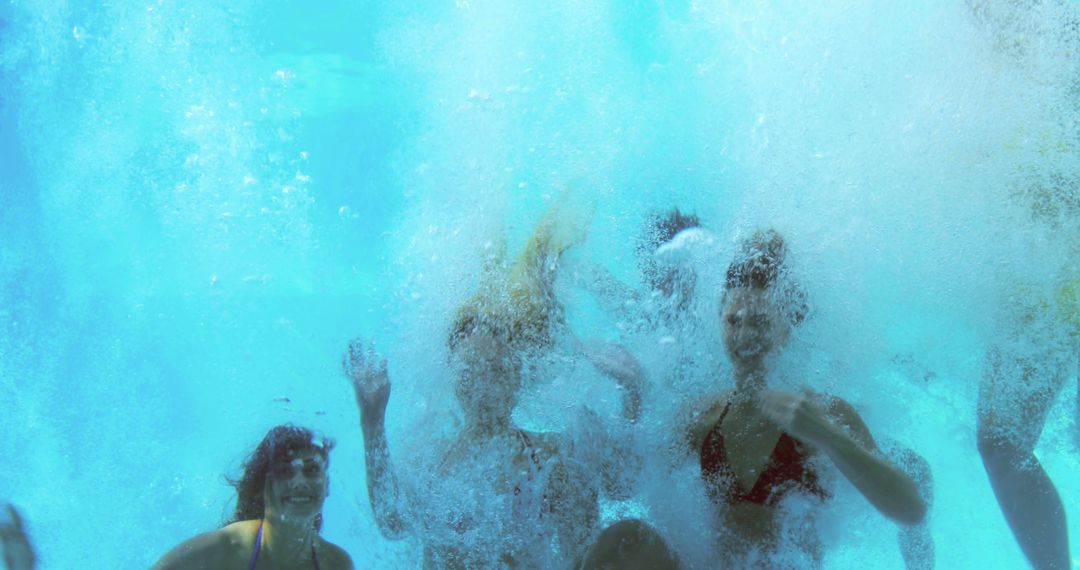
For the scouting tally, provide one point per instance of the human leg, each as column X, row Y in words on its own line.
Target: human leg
column 916, row 542
column 1014, row 399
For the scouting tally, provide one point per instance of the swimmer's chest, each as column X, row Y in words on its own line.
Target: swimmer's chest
column 749, row 439
column 497, row 465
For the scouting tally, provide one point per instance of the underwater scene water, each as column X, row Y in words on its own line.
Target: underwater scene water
column 202, row 202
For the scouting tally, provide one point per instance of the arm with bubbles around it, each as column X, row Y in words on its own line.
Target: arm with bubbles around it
column 848, row 443
column 366, row 371
column 615, row 361
column 615, row 298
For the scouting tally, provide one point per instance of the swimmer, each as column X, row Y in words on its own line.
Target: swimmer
column 1038, row 345
column 278, row 512
column 669, row 287
column 1018, row 388
column 14, row 542
column 756, row 446
column 674, row 283
column 551, row 498
column 916, row 542
column 664, row 310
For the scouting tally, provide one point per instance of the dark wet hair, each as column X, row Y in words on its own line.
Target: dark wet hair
column 280, row 445
column 660, row 228
column 759, row 261
column 761, row 264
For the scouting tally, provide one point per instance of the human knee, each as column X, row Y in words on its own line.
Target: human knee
column 999, row 448
column 918, row 468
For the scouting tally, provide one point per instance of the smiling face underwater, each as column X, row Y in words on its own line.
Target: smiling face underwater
column 297, row 486
column 752, row 325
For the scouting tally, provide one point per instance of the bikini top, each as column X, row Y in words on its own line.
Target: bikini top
column 786, row 470
column 525, row 505
column 258, row 546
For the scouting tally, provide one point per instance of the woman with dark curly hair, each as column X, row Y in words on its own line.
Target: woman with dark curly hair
column 278, row 511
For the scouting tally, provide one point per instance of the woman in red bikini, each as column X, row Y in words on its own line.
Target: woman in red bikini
column 756, row 446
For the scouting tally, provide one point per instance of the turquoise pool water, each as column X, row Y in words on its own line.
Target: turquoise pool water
column 201, row 202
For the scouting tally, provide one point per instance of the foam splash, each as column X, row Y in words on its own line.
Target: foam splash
column 197, row 232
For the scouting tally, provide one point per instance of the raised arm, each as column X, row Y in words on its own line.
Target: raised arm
column 366, row 371
column 612, row 359
column 847, row 441
column 615, row 298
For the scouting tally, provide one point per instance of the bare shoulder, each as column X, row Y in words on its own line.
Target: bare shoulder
column 700, row 416
column 242, row 534
column 846, row 416
column 219, row 548
column 335, row 557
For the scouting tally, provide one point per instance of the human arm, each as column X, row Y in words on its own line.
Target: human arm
column 367, row 373
column 849, row 445
column 18, row 552
column 615, row 298
column 614, row 360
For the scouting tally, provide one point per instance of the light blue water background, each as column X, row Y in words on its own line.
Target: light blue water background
column 201, row 202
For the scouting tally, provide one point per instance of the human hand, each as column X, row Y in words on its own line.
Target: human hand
column 366, row 371
column 18, row 552
column 614, row 360
column 799, row 415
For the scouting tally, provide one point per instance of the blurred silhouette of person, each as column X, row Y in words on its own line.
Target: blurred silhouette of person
column 756, row 446
column 668, row 288
column 14, row 541
column 1038, row 345
column 542, row 492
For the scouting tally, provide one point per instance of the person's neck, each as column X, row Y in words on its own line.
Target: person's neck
column 287, row 540
column 749, row 380
column 486, row 428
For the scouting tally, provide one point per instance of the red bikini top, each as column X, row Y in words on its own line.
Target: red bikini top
column 786, row 470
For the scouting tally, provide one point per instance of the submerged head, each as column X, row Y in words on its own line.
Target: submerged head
column 759, row 262
column 489, row 379
column 661, row 229
column 752, row 319
column 285, row 477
